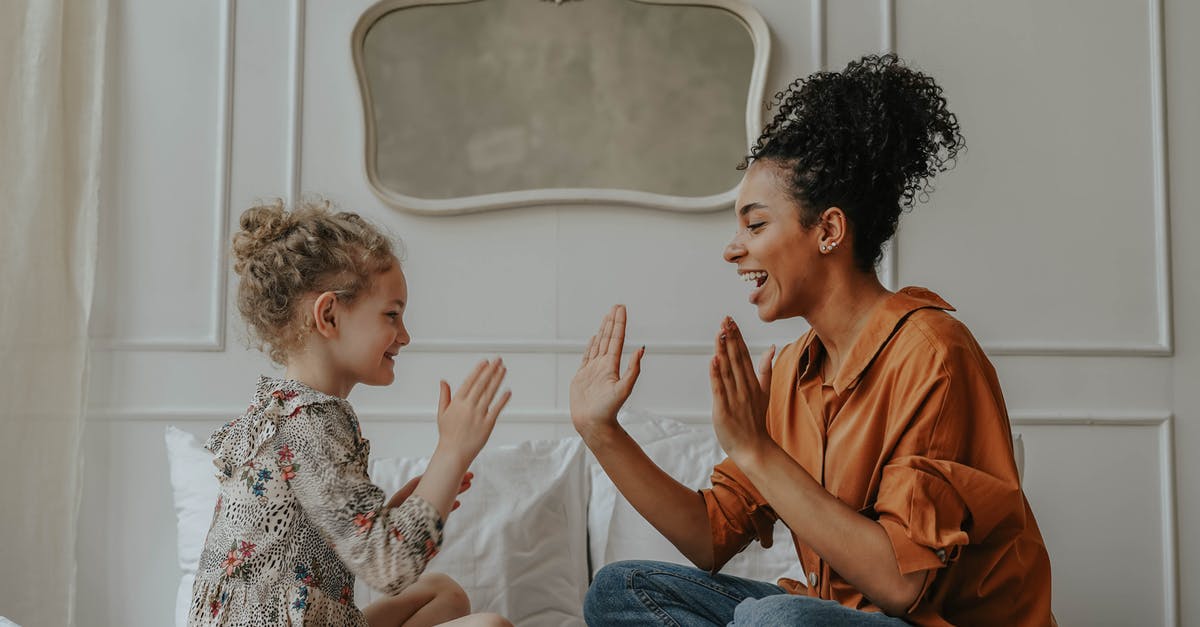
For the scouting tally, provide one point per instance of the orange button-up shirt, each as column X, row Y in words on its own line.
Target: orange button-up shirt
column 913, row 433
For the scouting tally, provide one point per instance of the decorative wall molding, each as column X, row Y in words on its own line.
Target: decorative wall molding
column 1163, row 346
column 759, row 33
column 296, row 107
column 214, row 341
column 1164, row 423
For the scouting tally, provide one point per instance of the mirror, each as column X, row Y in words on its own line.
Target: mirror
column 483, row 104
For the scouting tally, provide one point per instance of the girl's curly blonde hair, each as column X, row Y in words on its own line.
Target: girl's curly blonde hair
column 282, row 256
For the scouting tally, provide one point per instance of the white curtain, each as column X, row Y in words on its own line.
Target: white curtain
column 52, row 60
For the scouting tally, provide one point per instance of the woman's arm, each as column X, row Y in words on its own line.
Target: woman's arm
column 597, row 392
column 855, row 546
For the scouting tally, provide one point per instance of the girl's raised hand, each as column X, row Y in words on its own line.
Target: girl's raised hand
column 739, row 394
column 598, row 390
column 466, row 419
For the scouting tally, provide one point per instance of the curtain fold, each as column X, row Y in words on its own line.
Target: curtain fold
column 52, row 69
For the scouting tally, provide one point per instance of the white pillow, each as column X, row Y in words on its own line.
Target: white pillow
column 194, row 489
column 518, row 543
column 688, row 454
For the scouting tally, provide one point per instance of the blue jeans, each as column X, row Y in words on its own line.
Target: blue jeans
column 660, row 593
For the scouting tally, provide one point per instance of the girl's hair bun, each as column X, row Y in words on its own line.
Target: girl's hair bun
column 260, row 226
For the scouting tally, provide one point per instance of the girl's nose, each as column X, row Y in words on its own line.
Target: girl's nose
column 403, row 338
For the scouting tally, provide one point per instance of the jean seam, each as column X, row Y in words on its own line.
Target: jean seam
column 649, row 603
column 705, row 583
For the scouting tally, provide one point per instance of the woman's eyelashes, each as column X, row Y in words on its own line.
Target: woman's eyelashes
column 754, row 226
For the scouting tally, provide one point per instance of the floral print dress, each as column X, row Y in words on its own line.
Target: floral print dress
column 297, row 517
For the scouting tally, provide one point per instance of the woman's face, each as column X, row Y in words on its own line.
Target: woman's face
column 773, row 252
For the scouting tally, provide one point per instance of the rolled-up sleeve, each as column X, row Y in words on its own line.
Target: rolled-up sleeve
column 952, row 482
column 737, row 513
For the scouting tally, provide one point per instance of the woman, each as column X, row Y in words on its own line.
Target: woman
column 880, row 437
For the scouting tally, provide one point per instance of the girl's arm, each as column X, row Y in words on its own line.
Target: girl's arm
column 597, row 392
column 465, row 422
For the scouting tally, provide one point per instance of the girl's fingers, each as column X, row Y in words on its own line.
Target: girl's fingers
column 478, row 395
column 468, row 384
column 492, row 384
column 494, row 413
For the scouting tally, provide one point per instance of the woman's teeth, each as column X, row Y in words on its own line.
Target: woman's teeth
column 758, row 278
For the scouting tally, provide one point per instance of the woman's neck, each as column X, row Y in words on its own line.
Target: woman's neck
column 842, row 315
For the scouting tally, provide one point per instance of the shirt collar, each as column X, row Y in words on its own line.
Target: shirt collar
column 879, row 329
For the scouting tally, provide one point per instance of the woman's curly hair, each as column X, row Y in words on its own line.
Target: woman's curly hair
column 282, row 256
column 868, row 139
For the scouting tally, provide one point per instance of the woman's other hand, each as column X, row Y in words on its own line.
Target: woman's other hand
column 740, row 396
column 598, row 390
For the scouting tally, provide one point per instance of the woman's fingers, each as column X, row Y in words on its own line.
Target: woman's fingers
column 740, row 363
column 632, row 371
column 443, row 396
column 765, row 368
column 589, row 352
column 616, row 338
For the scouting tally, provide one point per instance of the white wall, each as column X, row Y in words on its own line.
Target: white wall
column 1051, row 237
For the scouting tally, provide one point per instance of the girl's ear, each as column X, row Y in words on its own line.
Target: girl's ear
column 324, row 313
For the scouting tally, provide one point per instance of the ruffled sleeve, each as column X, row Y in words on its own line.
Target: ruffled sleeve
column 387, row 547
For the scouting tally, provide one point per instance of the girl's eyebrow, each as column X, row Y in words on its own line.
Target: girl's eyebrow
column 399, row 302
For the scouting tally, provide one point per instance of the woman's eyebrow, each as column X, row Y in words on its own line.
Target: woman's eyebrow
column 750, row 206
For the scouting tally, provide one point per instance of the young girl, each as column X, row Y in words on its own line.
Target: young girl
column 297, row 517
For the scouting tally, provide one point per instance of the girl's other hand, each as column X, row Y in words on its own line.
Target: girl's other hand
column 598, row 390
column 406, row 491
column 466, row 419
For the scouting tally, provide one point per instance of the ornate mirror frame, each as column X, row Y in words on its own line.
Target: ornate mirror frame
column 760, row 39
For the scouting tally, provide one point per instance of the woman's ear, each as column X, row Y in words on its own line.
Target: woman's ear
column 833, row 229
column 324, row 313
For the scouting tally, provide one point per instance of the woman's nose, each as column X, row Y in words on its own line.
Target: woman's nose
column 734, row 251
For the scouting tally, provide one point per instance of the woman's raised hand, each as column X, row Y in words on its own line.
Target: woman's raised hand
column 739, row 394
column 598, row 390
column 465, row 420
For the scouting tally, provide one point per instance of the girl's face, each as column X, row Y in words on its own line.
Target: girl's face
column 773, row 252
column 371, row 330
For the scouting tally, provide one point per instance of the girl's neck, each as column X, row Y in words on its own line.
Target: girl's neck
column 312, row 369
column 843, row 314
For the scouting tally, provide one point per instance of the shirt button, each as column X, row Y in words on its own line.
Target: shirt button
column 812, row 579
